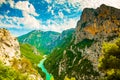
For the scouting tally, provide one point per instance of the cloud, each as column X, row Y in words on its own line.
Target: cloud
column 48, row 1
column 55, row 26
column 49, row 8
column 9, row 22
column 61, row 15
column 28, row 22
column 11, row 2
column 26, row 6
column 94, row 3
column 60, row 1
column 2, row 1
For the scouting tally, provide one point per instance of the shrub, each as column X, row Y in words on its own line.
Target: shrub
column 109, row 61
column 7, row 73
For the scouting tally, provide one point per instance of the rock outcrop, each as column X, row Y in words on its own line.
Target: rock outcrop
column 10, row 56
column 9, row 47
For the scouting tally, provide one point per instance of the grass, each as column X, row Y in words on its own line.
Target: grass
column 27, row 51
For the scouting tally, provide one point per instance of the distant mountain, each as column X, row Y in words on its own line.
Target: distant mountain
column 79, row 58
column 64, row 37
column 40, row 39
column 46, row 41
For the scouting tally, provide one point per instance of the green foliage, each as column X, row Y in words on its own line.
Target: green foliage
column 66, row 78
column 23, row 65
column 53, row 59
column 84, row 43
column 27, row 51
column 7, row 73
column 84, row 68
column 41, row 72
column 109, row 62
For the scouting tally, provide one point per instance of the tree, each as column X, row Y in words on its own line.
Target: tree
column 109, row 61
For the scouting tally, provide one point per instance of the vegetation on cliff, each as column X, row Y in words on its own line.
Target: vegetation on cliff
column 33, row 55
column 109, row 61
column 8, row 73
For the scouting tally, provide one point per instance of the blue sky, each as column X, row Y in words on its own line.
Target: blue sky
column 22, row 16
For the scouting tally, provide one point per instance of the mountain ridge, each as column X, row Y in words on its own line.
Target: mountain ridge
column 80, row 58
column 45, row 41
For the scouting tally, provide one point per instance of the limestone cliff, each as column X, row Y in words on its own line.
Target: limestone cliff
column 101, row 24
column 10, row 56
column 9, row 47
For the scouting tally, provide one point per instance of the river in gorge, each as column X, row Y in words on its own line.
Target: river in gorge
column 41, row 65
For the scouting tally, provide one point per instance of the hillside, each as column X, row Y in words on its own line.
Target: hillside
column 45, row 42
column 39, row 39
column 79, row 59
column 12, row 65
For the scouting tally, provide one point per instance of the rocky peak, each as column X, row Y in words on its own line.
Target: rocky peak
column 9, row 47
column 103, row 20
column 101, row 24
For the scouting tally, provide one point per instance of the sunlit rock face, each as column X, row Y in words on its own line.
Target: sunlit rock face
column 9, row 47
column 10, row 55
column 101, row 24
column 103, row 21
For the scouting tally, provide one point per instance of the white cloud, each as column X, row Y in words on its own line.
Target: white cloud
column 52, row 12
column 54, row 26
column 94, row 3
column 60, row 1
column 48, row 1
column 9, row 22
column 28, row 21
column 11, row 2
column 49, row 8
column 61, row 15
column 68, row 10
column 26, row 6
column 2, row 1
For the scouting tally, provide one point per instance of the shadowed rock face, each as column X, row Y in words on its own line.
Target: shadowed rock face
column 80, row 58
column 9, row 47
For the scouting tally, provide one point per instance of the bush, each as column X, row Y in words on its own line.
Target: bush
column 7, row 73
column 109, row 61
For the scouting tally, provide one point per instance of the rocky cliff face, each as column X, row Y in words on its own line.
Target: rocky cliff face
column 80, row 58
column 9, row 47
column 101, row 24
column 103, row 21
column 10, row 56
